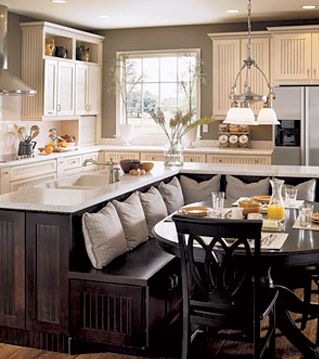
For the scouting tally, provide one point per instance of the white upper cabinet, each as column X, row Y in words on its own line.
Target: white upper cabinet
column 94, row 89
column 226, row 64
column 50, row 88
column 58, row 88
column 65, row 88
column 88, row 89
column 292, row 56
column 229, row 51
column 315, row 56
column 295, row 56
column 68, row 81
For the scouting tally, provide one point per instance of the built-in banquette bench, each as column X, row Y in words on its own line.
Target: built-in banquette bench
column 58, row 301
column 129, row 303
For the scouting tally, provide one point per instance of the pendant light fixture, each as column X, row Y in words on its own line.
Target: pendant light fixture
column 240, row 111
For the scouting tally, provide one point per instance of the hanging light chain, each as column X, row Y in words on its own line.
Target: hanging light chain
column 249, row 46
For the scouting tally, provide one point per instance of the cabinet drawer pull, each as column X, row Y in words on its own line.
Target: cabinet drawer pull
column 308, row 72
column 315, row 72
column 58, row 108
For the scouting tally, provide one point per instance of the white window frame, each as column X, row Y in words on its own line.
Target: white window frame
column 149, row 138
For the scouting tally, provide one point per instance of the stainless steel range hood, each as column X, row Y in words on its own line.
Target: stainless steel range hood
column 9, row 83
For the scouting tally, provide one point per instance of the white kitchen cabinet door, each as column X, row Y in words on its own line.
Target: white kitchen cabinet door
column 226, row 64
column 50, row 87
column 292, row 57
column 315, row 56
column 65, row 88
column 81, row 89
column 261, row 54
column 94, row 89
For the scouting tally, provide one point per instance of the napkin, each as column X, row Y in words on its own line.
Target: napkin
column 313, row 226
column 269, row 241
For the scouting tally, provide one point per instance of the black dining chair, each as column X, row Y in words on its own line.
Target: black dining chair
column 221, row 281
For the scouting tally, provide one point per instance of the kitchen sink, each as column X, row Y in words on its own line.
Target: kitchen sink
column 85, row 182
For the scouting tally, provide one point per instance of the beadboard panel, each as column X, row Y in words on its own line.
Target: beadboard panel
column 23, row 172
column 12, row 270
column 32, row 71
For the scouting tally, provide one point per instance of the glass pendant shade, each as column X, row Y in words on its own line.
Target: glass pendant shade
column 267, row 116
column 240, row 116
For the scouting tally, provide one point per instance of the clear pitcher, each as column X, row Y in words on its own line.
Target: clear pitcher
column 276, row 208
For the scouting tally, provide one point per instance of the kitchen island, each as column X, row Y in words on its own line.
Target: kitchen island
column 50, row 295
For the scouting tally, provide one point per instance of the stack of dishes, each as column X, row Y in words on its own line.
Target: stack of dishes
column 315, row 217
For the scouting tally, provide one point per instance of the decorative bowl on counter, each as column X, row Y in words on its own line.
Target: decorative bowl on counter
column 146, row 166
column 127, row 165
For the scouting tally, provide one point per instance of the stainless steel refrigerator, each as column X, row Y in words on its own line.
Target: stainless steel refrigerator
column 297, row 137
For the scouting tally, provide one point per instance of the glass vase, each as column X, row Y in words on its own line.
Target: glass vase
column 173, row 154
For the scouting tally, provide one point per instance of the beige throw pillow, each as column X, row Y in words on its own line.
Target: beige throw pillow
column 306, row 190
column 236, row 188
column 194, row 191
column 172, row 195
column 154, row 207
column 133, row 220
column 103, row 235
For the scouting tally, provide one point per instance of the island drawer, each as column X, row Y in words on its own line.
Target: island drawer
column 195, row 158
column 152, row 156
column 118, row 156
column 32, row 170
column 239, row 160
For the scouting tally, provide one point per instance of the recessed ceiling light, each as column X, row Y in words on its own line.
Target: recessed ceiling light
column 103, row 16
column 58, row 1
column 232, row 11
column 309, row 7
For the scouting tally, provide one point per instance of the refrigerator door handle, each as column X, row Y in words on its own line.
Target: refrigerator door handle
column 304, row 135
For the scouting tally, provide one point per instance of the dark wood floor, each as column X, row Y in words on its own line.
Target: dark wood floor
column 223, row 349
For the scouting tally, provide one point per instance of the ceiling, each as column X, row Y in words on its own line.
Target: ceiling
column 147, row 13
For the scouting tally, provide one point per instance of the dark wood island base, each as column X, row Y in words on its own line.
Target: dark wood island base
column 51, row 297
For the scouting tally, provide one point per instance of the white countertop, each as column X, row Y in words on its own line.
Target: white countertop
column 72, row 200
column 117, row 148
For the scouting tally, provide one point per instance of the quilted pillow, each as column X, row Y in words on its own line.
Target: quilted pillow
column 154, row 207
column 104, row 236
column 195, row 192
column 133, row 220
column 236, row 188
column 306, row 190
column 172, row 195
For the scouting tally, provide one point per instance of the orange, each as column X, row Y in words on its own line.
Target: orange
column 48, row 149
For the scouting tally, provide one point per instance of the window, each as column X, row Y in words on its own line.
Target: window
column 168, row 80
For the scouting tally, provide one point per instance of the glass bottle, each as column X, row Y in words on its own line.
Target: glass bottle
column 276, row 208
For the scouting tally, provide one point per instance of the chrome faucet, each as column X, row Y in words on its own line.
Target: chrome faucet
column 114, row 172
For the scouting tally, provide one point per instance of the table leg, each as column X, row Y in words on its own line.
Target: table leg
column 289, row 302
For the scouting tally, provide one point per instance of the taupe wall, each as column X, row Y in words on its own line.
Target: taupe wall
column 14, row 42
column 149, row 39
column 172, row 38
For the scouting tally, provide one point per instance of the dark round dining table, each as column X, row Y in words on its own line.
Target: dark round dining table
column 300, row 250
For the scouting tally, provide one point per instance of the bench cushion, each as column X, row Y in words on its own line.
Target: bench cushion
column 172, row 195
column 306, row 190
column 104, row 236
column 154, row 207
column 133, row 220
column 235, row 188
column 194, row 191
